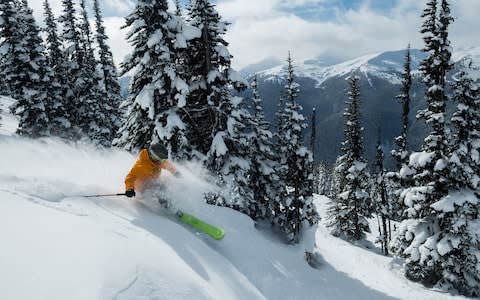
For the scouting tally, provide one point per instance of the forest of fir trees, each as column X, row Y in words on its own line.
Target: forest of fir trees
column 428, row 207
column 183, row 93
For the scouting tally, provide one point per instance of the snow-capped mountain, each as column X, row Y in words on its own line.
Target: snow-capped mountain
column 387, row 65
column 323, row 86
column 384, row 65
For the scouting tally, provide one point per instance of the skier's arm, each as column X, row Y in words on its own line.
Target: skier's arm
column 168, row 165
column 131, row 178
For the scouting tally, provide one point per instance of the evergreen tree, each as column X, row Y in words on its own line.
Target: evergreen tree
column 108, row 75
column 294, row 201
column 351, row 203
column 261, row 177
column 10, row 25
column 178, row 8
column 465, row 146
column 85, row 36
column 459, row 240
column 53, row 43
column 58, row 118
column 157, row 92
column 96, row 121
column 211, row 104
column 379, row 198
column 323, row 179
column 313, row 135
column 25, row 68
column 400, row 154
column 421, row 234
column 73, row 58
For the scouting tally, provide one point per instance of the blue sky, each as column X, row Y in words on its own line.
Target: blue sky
column 310, row 29
column 329, row 10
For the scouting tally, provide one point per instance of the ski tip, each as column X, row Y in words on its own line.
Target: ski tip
column 219, row 235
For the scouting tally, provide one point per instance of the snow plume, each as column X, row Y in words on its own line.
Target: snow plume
column 53, row 170
column 184, row 193
column 64, row 169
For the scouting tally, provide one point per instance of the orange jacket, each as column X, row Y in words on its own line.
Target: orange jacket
column 145, row 171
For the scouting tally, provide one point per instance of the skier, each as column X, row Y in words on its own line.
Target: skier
column 142, row 178
column 147, row 169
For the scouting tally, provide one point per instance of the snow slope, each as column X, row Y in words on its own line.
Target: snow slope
column 57, row 245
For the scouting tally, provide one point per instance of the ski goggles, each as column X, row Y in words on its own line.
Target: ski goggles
column 155, row 158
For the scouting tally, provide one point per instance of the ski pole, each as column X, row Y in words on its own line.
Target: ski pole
column 102, row 195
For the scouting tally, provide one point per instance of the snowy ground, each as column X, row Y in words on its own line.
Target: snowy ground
column 57, row 245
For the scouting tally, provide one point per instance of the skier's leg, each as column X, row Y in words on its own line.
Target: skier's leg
column 162, row 195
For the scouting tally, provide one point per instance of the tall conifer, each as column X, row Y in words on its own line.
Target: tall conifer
column 419, row 239
column 295, row 192
column 351, row 203
column 158, row 92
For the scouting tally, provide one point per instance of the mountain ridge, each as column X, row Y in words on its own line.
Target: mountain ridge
column 325, row 88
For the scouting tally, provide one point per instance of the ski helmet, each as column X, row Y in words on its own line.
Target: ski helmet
column 157, row 152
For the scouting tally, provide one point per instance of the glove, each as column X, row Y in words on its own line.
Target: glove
column 130, row 193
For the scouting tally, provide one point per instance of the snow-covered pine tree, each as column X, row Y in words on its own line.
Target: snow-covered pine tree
column 86, row 36
column 401, row 153
column 313, row 138
column 178, row 8
column 323, row 180
column 261, row 176
column 236, row 160
column 313, row 134
column 294, row 200
column 458, row 243
column 397, row 180
column 95, row 117
column 351, row 203
column 419, row 239
column 75, row 94
column 465, row 146
column 58, row 119
column 108, row 76
column 25, row 68
column 157, row 92
column 211, row 104
column 52, row 42
column 379, row 198
column 9, row 28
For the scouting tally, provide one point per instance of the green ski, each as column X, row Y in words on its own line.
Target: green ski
column 213, row 231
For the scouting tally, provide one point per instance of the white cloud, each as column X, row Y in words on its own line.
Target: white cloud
column 268, row 28
column 270, row 31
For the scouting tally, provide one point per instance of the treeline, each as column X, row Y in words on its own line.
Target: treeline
column 433, row 196
column 65, row 85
